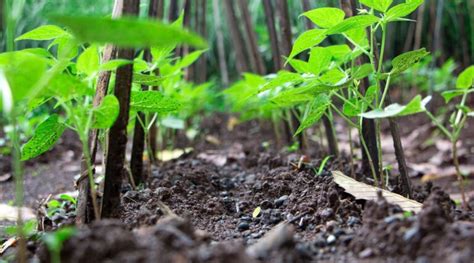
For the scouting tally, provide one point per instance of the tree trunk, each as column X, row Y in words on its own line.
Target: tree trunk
column 139, row 138
column 201, row 64
column 236, row 36
column 118, row 133
column 306, row 7
column 420, row 15
column 153, row 130
column 285, row 28
column 84, row 211
column 173, row 10
column 220, row 42
column 270, row 21
column 255, row 56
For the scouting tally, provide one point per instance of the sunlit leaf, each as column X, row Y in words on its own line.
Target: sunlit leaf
column 152, row 101
column 106, row 114
column 307, row 40
column 416, row 105
column 46, row 32
column 114, row 64
column 379, row 5
column 128, row 32
column 352, row 23
column 283, row 78
column 402, row 10
column 88, row 61
column 325, row 17
column 256, row 212
column 22, row 71
column 46, row 135
column 363, row 71
column 465, row 80
column 189, row 59
column 319, row 59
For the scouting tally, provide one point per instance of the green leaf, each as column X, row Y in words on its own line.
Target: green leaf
column 300, row 66
column 334, row 77
column 46, row 135
column 339, row 53
column 152, row 101
column 352, row 23
column 295, row 96
column 22, row 71
column 88, row 61
column 363, row 71
column 147, row 80
column 128, row 32
column 189, row 59
column 465, row 80
column 114, row 64
column 54, row 240
column 416, row 105
column 69, row 198
column 67, row 47
column 325, row 17
column 402, row 10
column 46, row 32
column 106, row 114
column 353, row 107
column 307, row 40
column 65, row 86
column 404, row 61
column 283, row 78
column 379, row 5
column 451, row 94
column 316, row 111
column 319, row 59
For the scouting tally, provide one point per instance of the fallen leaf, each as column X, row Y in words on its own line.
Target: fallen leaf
column 5, row 177
column 10, row 242
column 10, row 213
column 366, row 192
column 168, row 155
column 212, row 139
column 231, row 123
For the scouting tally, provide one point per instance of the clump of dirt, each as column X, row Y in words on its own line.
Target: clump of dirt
column 432, row 234
column 172, row 239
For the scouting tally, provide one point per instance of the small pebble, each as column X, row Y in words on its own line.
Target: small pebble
column 243, row 226
column 281, row 200
column 331, row 239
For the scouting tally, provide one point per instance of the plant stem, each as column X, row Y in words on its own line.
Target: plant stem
column 458, row 173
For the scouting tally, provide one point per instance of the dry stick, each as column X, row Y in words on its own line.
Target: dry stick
column 139, row 133
column 252, row 43
column 84, row 210
column 236, row 36
column 328, row 125
column 118, row 133
column 220, row 42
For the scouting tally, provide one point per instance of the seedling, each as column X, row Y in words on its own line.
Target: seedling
column 323, row 164
column 55, row 240
column 457, row 121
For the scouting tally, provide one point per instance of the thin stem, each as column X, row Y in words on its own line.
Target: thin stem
column 458, row 173
column 438, row 124
column 385, row 92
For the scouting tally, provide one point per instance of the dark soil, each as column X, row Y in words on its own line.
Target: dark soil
column 199, row 208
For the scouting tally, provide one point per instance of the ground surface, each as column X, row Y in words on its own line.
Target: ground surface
column 199, row 208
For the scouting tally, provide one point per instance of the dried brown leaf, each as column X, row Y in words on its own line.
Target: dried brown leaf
column 367, row 192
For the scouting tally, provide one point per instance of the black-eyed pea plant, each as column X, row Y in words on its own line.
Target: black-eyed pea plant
column 65, row 76
column 457, row 120
column 332, row 75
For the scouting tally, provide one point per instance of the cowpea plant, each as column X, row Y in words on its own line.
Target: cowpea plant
column 457, row 120
column 334, row 73
column 67, row 79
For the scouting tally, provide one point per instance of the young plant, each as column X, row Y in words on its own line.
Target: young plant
column 334, row 73
column 457, row 121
